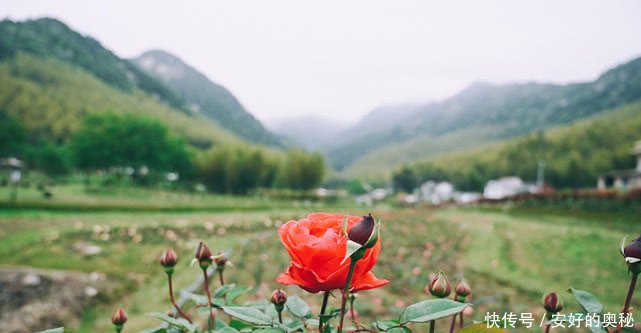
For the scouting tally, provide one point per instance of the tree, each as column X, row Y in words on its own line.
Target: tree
column 108, row 140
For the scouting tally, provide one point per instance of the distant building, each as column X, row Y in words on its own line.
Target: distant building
column 436, row 193
column 506, row 187
column 623, row 179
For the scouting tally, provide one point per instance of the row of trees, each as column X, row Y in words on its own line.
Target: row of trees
column 109, row 141
column 573, row 159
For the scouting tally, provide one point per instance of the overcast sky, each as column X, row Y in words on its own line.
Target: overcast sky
column 340, row 59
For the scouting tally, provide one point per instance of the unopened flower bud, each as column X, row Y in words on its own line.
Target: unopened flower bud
column 552, row 303
column 168, row 260
column 364, row 232
column 221, row 260
column 632, row 254
column 279, row 298
column 203, row 255
column 119, row 318
column 462, row 290
column 439, row 286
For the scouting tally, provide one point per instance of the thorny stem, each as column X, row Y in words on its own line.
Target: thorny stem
column 322, row 311
column 173, row 301
column 432, row 326
column 348, row 284
column 212, row 317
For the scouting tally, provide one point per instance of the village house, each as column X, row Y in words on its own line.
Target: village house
column 623, row 180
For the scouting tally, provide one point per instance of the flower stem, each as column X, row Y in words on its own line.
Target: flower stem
column 348, row 284
column 212, row 317
column 547, row 328
column 173, row 300
column 322, row 311
column 280, row 317
column 628, row 299
column 453, row 323
column 352, row 314
column 461, row 321
column 432, row 326
column 220, row 277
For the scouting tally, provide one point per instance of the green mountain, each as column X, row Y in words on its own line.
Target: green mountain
column 574, row 155
column 204, row 96
column 47, row 37
column 51, row 76
column 484, row 113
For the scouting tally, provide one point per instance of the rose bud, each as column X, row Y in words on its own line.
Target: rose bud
column 119, row 318
column 439, row 286
column 279, row 298
column 632, row 254
column 364, row 232
column 203, row 255
column 462, row 290
column 221, row 260
column 168, row 260
column 552, row 303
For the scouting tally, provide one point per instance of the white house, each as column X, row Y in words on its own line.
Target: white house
column 506, row 187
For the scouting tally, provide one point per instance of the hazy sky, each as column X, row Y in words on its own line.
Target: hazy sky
column 340, row 59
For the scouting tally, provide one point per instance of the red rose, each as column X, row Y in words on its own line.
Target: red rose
column 317, row 247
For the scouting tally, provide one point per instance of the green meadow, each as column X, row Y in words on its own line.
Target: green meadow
column 510, row 256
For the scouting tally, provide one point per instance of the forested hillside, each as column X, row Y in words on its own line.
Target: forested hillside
column 485, row 113
column 574, row 156
column 203, row 96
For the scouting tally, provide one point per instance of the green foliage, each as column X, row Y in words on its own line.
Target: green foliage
column 13, row 136
column 110, row 140
column 301, row 170
column 49, row 158
column 237, row 169
column 431, row 309
column 574, row 156
column 405, row 179
column 50, row 98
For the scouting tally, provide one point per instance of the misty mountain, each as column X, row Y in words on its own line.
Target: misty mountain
column 311, row 132
column 483, row 113
column 204, row 96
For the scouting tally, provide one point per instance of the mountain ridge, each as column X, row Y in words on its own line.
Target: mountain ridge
column 203, row 96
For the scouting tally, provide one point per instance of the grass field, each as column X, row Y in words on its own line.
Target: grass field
column 510, row 256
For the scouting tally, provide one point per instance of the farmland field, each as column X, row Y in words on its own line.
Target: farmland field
column 510, row 256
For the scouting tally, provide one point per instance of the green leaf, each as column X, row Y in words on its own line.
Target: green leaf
column 270, row 330
column 54, row 330
column 351, row 248
column 176, row 322
column 199, row 300
column 155, row 330
column 480, row 328
column 431, row 309
column 392, row 326
column 236, row 292
column 221, row 291
column 227, row 329
column 588, row 302
column 298, row 307
column 247, row 314
column 296, row 325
